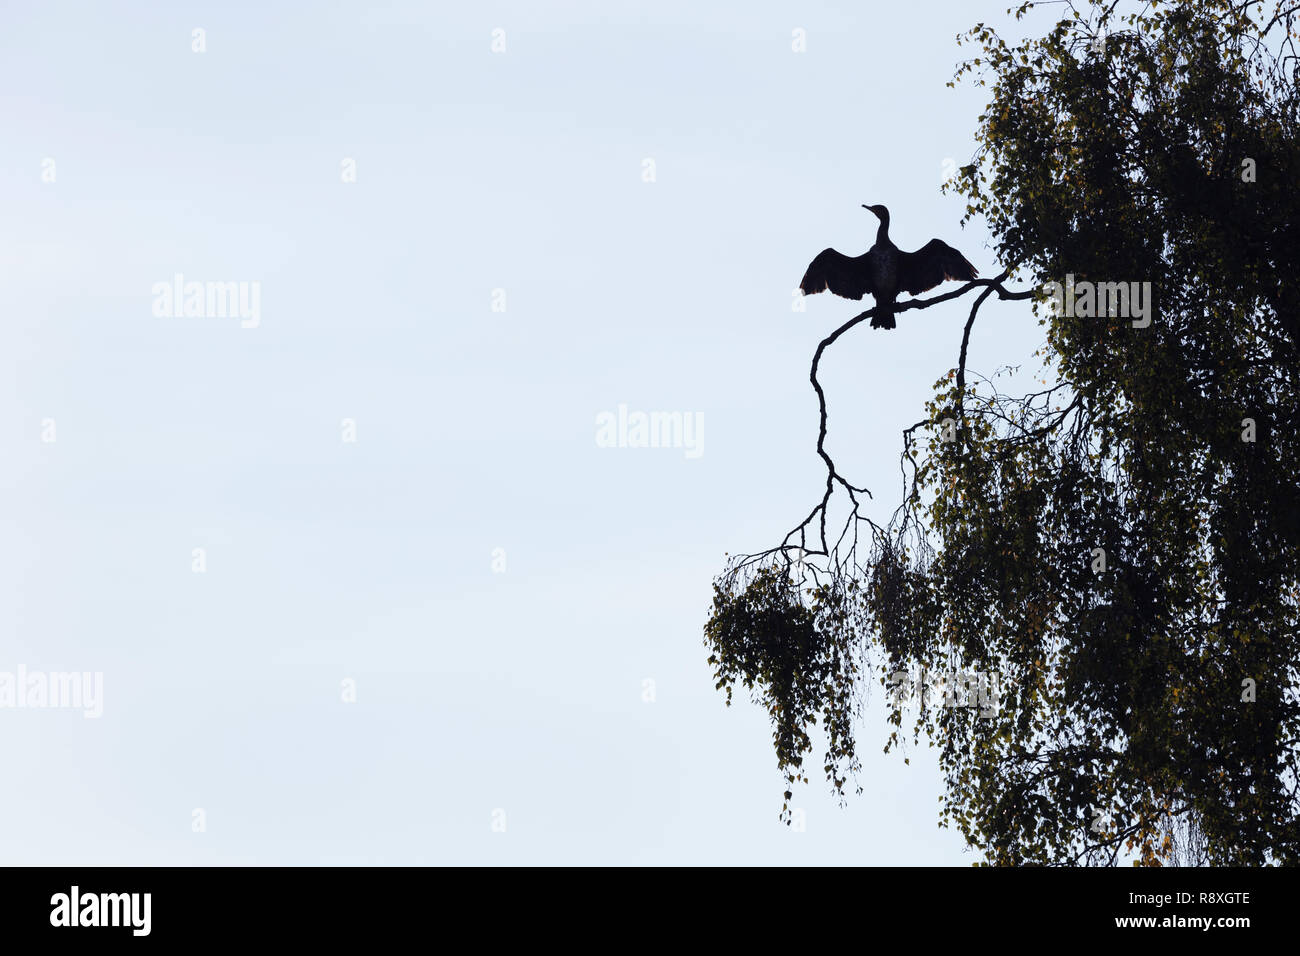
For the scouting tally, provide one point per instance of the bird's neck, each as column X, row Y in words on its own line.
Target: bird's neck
column 882, row 233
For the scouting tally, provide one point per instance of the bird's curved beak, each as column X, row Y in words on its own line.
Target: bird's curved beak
column 870, row 210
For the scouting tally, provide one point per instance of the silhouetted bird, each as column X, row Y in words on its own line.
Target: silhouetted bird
column 884, row 271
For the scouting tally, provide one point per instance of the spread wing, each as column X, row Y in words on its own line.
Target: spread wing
column 843, row 275
column 933, row 263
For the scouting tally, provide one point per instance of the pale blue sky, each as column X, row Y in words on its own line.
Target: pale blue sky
column 475, row 429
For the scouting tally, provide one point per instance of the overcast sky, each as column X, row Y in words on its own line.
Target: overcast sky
column 613, row 210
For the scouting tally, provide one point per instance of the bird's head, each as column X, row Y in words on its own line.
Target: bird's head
column 880, row 212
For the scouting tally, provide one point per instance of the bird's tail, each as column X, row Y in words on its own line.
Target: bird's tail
column 884, row 317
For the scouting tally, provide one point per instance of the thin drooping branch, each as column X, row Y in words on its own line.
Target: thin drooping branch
column 965, row 343
column 970, row 322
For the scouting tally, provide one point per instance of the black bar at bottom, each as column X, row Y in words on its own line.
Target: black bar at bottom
column 376, row 905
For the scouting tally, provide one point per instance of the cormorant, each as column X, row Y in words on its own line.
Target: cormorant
column 884, row 271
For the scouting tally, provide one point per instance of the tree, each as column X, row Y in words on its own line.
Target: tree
column 1104, row 572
